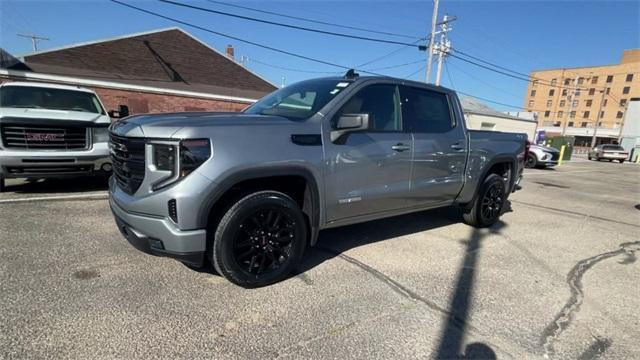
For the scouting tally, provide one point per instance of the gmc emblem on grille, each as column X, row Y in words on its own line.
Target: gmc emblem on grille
column 44, row 137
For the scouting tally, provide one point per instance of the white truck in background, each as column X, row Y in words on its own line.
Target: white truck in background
column 51, row 130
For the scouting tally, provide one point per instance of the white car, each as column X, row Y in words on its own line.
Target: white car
column 608, row 152
column 542, row 156
column 51, row 130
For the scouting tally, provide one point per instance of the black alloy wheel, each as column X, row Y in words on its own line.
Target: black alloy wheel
column 260, row 239
column 264, row 241
column 492, row 202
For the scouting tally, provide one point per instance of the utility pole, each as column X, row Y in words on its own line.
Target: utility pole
column 432, row 36
column 570, row 99
column 34, row 39
column 598, row 118
column 444, row 45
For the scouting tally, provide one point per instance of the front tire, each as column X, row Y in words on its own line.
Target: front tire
column 488, row 204
column 532, row 161
column 621, row 161
column 260, row 240
column 1, row 184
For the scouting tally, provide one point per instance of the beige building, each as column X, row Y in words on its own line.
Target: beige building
column 568, row 100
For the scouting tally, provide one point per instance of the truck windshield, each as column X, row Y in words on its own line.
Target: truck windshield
column 299, row 101
column 31, row 97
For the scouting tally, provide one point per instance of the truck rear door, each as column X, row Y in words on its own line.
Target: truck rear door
column 440, row 147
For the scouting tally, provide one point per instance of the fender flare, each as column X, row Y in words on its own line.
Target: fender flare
column 312, row 193
column 498, row 159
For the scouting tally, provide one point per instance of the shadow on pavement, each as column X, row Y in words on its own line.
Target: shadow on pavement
column 57, row 185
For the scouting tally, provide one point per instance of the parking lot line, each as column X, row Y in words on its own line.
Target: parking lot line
column 94, row 196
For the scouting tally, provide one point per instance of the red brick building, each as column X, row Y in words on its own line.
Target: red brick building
column 158, row 71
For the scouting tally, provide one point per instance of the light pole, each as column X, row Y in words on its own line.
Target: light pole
column 598, row 118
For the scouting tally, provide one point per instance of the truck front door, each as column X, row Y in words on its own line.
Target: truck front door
column 368, row 171
column 440, row 148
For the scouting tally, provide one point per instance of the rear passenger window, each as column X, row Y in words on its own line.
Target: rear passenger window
column 425, row 111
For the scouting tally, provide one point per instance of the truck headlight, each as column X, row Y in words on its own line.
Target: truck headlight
column 171, row 161
column 100, row 134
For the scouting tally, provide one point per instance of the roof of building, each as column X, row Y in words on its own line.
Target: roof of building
column 166, row 58
column 473, row 106
column 628, row 56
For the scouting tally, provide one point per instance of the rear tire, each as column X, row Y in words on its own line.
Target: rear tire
column 1, row 184
column 610, row 160
column 621, row 161
column 260, row 240
column 488, row 204
column 589, row 157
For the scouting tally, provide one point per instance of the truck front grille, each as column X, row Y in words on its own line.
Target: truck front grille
column 44, row 137
column 127, row 157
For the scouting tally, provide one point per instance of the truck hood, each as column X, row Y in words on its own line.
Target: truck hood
column 6, row 112
column 167, row 125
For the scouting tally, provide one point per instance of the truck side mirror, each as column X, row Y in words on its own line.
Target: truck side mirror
column 123, row 111
column 349, row 123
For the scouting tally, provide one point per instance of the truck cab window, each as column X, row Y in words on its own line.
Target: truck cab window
column 381, row 102
column 426, row 111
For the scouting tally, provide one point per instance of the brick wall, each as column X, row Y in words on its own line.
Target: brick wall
column 142, row 102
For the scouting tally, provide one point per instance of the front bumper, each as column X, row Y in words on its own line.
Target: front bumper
column 549, row 163
column 158, row 236
column 614, row 157
column 30, row 163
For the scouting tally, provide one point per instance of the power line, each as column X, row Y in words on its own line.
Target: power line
column 239, row 39
column 388, row 54
column 311, row 20
column 291, row 69
column 302, row 28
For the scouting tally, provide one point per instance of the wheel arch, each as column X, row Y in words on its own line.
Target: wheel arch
column 496, row 164
column 310, row 200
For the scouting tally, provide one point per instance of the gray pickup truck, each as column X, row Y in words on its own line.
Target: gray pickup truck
column 250, row 191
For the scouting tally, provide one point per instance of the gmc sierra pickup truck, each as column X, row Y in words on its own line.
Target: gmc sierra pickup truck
column 250, row 191
column 51, row 130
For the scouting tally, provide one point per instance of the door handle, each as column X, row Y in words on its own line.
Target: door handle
column 400, row 147
column 458, row 147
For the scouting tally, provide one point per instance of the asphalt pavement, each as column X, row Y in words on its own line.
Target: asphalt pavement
column 556, row 278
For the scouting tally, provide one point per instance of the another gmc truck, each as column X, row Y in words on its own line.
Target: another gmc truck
column 250, row 191
column 51, row 130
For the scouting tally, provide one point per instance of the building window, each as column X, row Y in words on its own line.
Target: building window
column 619, row 115
column 533, row 93
column 576, row 93
column 626, row 90
column 589, row 102
column 570, row 124
column 572, row 114
column 629, row 78
column 567, row 81
column 547, row 113
column 554, row 81
column 560, row 113
column 584, row 124
column 547, row 123
column 623, row 102
column 601, row 114
column 592, row 91
column 535, row 83
column 564, row 92
column 609, row 78
column 604, row 103
column 575, row 103
column 557, row 124
column 585, row 115
column 530, row 103
column 594, row 80
column 562, row 102
column 580, row 80
column 549, row 102
column 552, row 91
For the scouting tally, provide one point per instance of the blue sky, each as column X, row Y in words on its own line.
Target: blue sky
column 521, row 35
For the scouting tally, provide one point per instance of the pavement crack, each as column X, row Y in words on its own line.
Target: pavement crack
column 563, row 319
column 399, row 288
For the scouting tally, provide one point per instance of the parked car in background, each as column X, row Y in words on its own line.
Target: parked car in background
column 608, row 152
column 51, row 130
column 250, row 191
column 542, row 156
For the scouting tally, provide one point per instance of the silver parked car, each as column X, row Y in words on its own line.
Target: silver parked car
column 542, row 156
column 608, row 152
